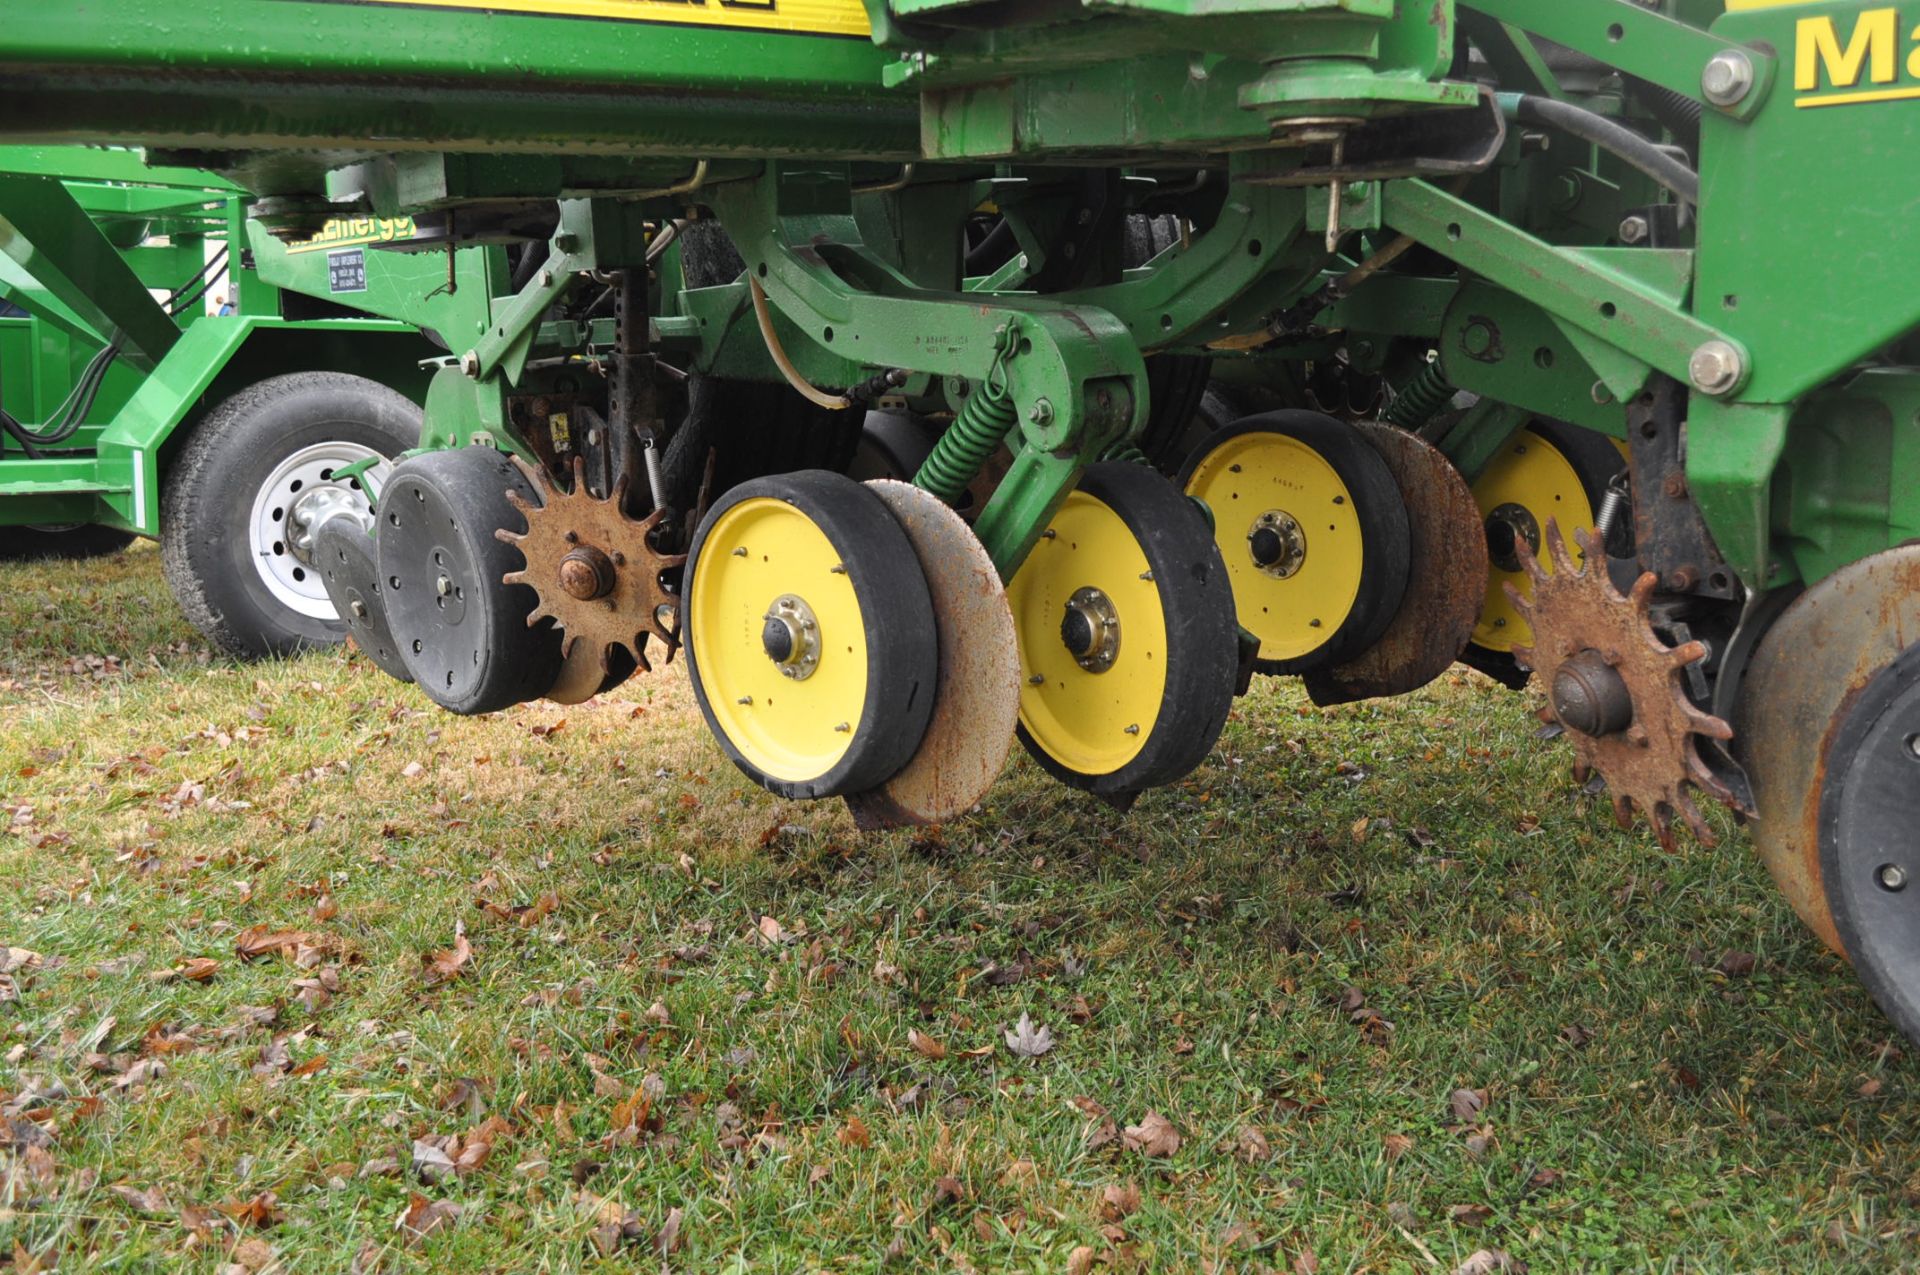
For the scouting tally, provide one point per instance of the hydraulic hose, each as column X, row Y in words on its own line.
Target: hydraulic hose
column 1609, row 136
column 807, row 390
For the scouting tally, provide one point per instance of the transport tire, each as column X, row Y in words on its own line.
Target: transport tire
column 71, row 542
column 241, row 502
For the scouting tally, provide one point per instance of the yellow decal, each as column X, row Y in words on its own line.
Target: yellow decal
column 1830, row 69
column 808, row 17
column 344, row 232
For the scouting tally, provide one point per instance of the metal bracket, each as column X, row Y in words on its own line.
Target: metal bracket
column 1640, row 41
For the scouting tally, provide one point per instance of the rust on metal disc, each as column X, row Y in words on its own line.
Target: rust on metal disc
column 1579, row 619
column 977, row 696
column 1446, row 577
column 1822, row 651
column 598, row 577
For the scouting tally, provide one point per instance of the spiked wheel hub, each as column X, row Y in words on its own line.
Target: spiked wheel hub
column 599, row 577
column 1616, row 687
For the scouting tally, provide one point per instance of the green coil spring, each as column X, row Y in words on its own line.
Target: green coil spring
column 980, row 426
column 1424, row 395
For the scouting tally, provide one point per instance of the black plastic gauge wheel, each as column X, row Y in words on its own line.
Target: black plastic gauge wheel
column 462, row 633
column 1313, row 532
column 1128, row 648
column 809, row 634
column 1869, row 853
column 346, row 557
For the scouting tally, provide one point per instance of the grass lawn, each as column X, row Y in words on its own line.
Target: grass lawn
column 304, row 974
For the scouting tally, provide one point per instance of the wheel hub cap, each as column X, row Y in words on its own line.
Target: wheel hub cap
column 791, row 637
column 314, row 507
column 586, row 573
column 1507, row 525
column 1277, row 544
column 1091, row 629
column 1590, row 696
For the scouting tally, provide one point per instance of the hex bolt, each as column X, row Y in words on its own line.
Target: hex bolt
column 1674, row 486
column 470, row 364
column 744, row 699
column 1037, row 680
column 443, row 586
column 358, row 608
column 1133, row 729
column 1893, row 878
column 1715, row 367
column 1727, row 77
column 546, row 278
column 1041, row 412
column 844, row 728
column 1634, row 229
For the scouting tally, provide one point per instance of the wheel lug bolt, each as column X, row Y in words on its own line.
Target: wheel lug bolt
column 443, row 586
column 1893, row 878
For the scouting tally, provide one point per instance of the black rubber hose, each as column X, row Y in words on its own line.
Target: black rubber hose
column 19, row 434
column 1614, row 138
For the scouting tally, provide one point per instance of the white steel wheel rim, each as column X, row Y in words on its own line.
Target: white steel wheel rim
column 292, row 580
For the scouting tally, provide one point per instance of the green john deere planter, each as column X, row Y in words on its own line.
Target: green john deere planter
column 1545, row 355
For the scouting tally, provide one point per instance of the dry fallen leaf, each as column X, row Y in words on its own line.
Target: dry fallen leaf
column 1468, row 1103
column 669, row 1239
column 1491, row 1262
column 1251, row 1146
column 1026, row 1040
column 854, row 1133
column 258, row 940
column 422, row 1217
column 147, row 1201
column 447, row 964
column 1396, row 1145
column 925, row 1045
column 1155, row 1135
column 1116, row 1202
column 1080, row 1261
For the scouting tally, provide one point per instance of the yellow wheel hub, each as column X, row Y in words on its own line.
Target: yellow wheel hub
column 779, row 639
column 1529, row 482
column 1290, row 536
column 1093, row 640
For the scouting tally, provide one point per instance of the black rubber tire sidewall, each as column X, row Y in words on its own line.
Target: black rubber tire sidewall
column 209, row 489
column 516, row 661
column 71, row 544
column 1385, row 538
column 1196, row 599
column 902, row 639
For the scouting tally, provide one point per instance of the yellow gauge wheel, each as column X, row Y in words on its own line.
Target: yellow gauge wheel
column 1312, row 529
column 1127, row 641
column 1544, row 471
column 810, row 636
